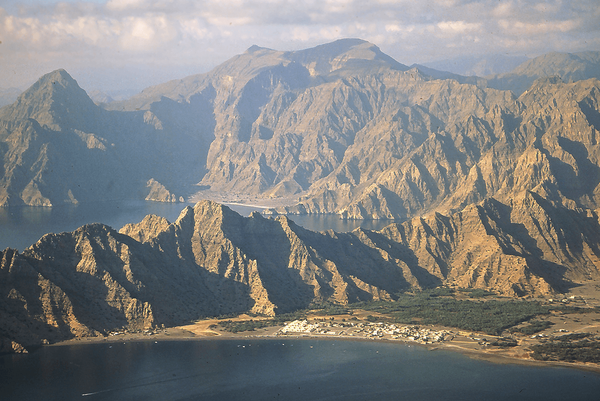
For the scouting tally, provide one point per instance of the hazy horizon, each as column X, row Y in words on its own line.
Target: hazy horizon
column 128, row 45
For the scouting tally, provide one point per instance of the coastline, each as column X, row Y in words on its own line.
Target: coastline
column 200, row 332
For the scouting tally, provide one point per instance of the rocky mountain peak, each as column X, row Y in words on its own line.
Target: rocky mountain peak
column 58, row 77
column 150, row 227
column 255, row 48
column 345, row 54
column 55, row 100
column 210, row 209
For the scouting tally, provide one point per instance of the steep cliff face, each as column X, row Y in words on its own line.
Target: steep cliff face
column 354, row 133
column 545, row 141
column 282, row 266
column 331, row 118
column 213, row 261
column 336, row 133
column 529, row 246
column 33, row 309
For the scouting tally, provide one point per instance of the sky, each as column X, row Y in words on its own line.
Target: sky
column 127, row 45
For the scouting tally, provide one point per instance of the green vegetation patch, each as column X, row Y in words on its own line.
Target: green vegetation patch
column 504, row 342
column 330, row 309
column 436, row 306
column 580, row 347
column 251, row 325
column 476, row 292
column 491, row 317
column 533, row 327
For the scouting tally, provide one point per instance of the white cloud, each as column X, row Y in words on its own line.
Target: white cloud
column 504, row 9
column 458, row 27
column 199, row 34
column 521, row 28
column 305, row 34
column 119, row 5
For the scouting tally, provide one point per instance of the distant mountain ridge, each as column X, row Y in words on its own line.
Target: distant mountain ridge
column 57, row 146
column 56, row 101
column 481, row 66
column 342, row 125
column 212, row 261
column 329, row 123
column 517, row 74
column 570, row 67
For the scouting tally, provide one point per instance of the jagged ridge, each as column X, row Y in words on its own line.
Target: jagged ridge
column 213, row 261
column 342, row 124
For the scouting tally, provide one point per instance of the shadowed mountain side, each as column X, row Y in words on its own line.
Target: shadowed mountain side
column 130, row 283
column 212, row 261
column 33, row 310
column 57, row 146
column 531, row 247
column 285, row 266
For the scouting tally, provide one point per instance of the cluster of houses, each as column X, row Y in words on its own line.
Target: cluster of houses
column 147, row 332
column 367, row 330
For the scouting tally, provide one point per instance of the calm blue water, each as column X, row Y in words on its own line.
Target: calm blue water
column 278, row 370
column 22, row 226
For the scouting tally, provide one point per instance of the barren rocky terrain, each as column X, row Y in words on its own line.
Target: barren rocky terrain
column 493, row 184
column 212, row 261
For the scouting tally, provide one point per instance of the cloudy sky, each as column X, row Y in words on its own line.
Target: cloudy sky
column 131, row 44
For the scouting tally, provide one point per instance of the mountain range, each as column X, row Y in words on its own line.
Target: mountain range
column 493, row 183
column 339, row 128
column 213, row 261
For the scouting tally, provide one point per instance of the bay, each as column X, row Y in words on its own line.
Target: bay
column 284, row 369
column 22, row 226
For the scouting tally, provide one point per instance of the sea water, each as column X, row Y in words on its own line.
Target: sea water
column 281, row 369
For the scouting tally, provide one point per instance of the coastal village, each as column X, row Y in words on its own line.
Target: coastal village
column 366, row 330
